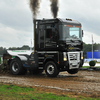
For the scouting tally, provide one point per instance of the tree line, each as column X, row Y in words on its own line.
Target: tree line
column 86, row 48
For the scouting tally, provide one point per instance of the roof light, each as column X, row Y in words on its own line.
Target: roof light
column 78, row 26
column 69, row 25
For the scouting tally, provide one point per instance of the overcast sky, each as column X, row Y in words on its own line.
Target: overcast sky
column 16, row 23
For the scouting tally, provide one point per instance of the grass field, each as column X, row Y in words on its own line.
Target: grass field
column 13, row 92
column 85, row 66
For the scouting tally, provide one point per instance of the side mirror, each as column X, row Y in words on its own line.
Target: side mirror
column 82, row 33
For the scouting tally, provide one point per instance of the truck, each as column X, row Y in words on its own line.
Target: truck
column 58, row 47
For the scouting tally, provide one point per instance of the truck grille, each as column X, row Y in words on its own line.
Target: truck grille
column 74, row 56
column 74, row 59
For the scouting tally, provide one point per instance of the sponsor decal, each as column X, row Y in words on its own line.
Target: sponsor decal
column 71, row 48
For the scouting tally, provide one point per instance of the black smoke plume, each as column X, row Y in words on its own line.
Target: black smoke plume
column 54, row 8
column 34, row 5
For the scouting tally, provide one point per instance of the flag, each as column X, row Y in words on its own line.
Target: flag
column 92, row 46
column 92, row 39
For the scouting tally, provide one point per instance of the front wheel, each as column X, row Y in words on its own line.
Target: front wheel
column 72, row 71
column 51, row 69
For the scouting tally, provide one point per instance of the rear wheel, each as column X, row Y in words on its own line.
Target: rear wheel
column 51, row 69
column 72, row 71
column 16, row 67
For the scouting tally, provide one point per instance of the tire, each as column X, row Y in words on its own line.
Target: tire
column 16, row 67
column 51, row 69
column 72, row 71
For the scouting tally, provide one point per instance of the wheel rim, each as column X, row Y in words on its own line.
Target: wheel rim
column 15, row 66
column 50, row 69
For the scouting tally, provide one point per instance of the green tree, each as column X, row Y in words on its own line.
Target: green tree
column 24, row 47
column 2, row 50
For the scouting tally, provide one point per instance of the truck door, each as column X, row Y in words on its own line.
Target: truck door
column 50, row 36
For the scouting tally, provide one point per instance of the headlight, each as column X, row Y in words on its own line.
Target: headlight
column 64, row 56
column 81, row 57
column 65, row 59
column 81, row 54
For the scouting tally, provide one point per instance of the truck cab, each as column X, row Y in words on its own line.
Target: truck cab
column 58, row 34
column 63, row 36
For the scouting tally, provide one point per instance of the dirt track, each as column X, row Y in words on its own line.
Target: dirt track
column 84, row 83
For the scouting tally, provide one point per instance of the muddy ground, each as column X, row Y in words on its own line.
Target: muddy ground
column 84, row 83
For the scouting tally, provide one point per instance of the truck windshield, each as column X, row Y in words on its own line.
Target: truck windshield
column 71, row 33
